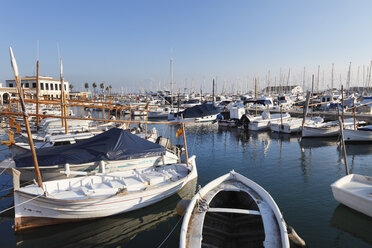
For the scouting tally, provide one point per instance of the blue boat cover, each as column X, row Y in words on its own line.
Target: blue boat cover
column 201, row 110
column 114, row 144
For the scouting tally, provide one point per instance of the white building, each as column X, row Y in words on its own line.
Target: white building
column 49, row 87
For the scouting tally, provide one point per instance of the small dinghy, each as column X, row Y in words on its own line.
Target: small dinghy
column 354, row 191
column 233, row 211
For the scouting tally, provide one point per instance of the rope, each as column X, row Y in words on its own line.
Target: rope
column 5, row 169
column 22, row 184
column 166, row 238
column 17, row 205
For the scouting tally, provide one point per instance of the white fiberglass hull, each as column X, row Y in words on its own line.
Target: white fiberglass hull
column 354, row 191
column 97, row 196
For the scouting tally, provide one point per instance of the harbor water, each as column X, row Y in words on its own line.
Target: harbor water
column 297, row 173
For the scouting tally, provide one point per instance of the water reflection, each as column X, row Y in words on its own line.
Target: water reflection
column 111, row 231
column 352, row 222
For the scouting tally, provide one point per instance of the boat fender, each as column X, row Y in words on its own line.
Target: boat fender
column 293, row 236
column 182, row 206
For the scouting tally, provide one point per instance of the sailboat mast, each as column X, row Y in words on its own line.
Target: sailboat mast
column 37, row 94
column 171, row 80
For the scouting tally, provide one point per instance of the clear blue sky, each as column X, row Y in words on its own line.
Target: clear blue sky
column 129, row 43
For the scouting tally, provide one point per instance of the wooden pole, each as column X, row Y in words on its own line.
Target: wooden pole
column 255, row 92
column 184, row 142
column 305, row 108
column 63, row 100
column 130, row 117
column 37, row 95
column 354, row 113
column 25, row 117
column 342, row 102
column 147, row 118
column 312, row 95
column 343, row 144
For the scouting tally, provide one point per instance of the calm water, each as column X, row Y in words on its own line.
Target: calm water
column 296, row 173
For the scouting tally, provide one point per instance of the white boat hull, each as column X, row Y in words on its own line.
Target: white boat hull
column 192, row 230
column 354, row 191
column 320, row 132
column 52, row 209
column 351, row 135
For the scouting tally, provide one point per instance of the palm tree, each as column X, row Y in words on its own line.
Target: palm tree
column 110, row 87
column 86, row 86
column 71, row 87
column 107, row 90
column 102, row 86
column 94, row 85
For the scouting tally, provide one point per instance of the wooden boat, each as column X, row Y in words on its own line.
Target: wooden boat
column 263, row 123
column 363, row 134
column 233, row 211
column 354, row 191
column 138, row 224
column 327, row 129
column 116, row 149
column 96, row 196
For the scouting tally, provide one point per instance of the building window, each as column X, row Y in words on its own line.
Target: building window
column 10, row 85
column 51, row 87
column 42, row 86
column 27, row 85
column 65, row 87
column 34, row 85
column 56, row 86
column 46, row 86
column 59, row 87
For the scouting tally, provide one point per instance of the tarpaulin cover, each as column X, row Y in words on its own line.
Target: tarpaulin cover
column 202, row 110
column 114, row 144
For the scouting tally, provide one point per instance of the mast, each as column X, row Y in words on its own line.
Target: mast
column 332, row 75
column 369, row 77
column 171, row 80
column 25, row 117
column 303, row 79
column 213, row 90
column 317, row 80
column 37, row 94
column 63, row 99
column 268, row 82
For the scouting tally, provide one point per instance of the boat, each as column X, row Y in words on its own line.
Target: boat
column 140, row 224
column 233, row 211
column 327, row 129
column 354, row 191
column 362, row 134
column 292, row 125
column 205, row 112
column 263, row 122
column 96, row 196
column 116, row 149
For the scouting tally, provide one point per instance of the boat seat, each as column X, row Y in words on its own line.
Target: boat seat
column 154, row 177
column 234, row 210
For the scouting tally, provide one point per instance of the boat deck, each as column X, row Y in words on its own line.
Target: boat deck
column 110, row 184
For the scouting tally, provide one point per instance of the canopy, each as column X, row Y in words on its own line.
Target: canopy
column 202, row 110
column 114, row 144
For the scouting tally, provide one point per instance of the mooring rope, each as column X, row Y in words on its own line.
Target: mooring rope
column 193, row 145
column 5, row 168
column 166, row 238
column 17, row 205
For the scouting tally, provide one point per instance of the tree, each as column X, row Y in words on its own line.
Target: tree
column 94, row 85
column 110, row 87
column 107, row 90
column 102, row 86
column 71, row 87
column 86, row 86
